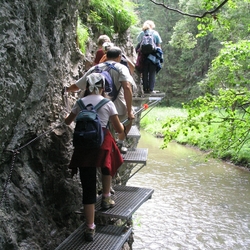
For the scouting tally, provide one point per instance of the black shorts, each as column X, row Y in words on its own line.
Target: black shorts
column 88, row 180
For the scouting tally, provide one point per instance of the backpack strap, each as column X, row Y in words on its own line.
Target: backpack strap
column 81, row 104
column 98, row 105
column 96, row 69
column 148, row 32
column 101, row 103
column 112, row 66
column 117, row 93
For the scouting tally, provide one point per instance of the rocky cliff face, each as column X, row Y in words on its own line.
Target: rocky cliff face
column 39, row 55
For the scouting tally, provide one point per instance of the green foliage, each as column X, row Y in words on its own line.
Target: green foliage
column 215, row 122
column 182, row 37
column 219, row 121
column 109, row 16
column 136, row 220
column 153, row 122
column 175, row 124
column 214, row 52
column 82, row 35
column 196, row 50
column 231, row 22
column 231, row 68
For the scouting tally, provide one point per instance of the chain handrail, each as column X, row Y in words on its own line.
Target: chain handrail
column 15, row 152
column 8, row 180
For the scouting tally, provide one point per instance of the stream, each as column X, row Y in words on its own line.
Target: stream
column 198, row 203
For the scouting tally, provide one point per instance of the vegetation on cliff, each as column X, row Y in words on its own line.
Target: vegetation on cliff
column 108, row 16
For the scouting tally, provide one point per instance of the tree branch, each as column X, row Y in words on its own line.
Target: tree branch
column 211, row 12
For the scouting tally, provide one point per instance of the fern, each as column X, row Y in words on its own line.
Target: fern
column 82, row 34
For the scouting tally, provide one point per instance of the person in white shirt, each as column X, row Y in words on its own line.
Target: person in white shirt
column 107, row 157
column 123, row 81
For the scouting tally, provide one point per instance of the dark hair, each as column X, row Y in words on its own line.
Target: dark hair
column 114, row 52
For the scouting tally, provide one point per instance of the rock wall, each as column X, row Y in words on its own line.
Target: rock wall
column 39, row 55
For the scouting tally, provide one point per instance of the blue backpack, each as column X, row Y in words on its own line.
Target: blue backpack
column 88, row 131
column 110, row 87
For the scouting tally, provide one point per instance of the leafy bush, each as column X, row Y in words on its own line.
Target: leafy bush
column 82, row 35
column 228, row 141
column 109, row 16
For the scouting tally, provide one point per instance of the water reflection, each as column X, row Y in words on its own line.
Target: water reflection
column 197, row 203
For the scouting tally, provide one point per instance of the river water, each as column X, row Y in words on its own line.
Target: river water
column 197, row 203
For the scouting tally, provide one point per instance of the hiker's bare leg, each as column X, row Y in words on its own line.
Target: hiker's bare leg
column 89, row 212
column 107, row 202
column 106, row 184
column 122, row 136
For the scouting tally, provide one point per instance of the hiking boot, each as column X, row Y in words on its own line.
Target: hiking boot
column 107, row 202
column 89, row 234
column 123, row 150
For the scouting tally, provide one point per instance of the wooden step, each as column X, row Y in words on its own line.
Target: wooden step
column 136, row 159
column 128, row 200
column 139, row 155
column 134, row 133
column 133, row 138
column 156, row 97
column 106, row 237
column 149, row 97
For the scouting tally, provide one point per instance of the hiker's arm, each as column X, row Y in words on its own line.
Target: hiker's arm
column 128, row 98
column 117, row 124
column 131, row 65
column 70, row 118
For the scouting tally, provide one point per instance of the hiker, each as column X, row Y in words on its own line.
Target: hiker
column 146, row 66
column 107, row 157
column 99, row 53
column 123, row 81
column 124, row 60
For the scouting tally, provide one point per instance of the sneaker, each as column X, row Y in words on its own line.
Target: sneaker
column 107, row 202
column 89, row 234
column 123, row 150
column 80, row 211
column 112, row 191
